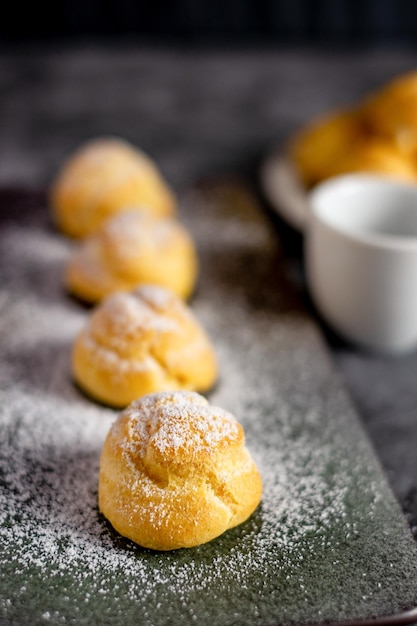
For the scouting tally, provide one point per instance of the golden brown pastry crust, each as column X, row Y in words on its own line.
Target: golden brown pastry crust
column 379, row 157
column 391, row 113
column 132, row 249
column 139, row 343
column 175, row 472
column 378, row 136
column 102, row 178
column 316, row 148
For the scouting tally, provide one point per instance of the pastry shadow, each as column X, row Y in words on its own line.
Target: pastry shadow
column 41, row 281
column 242, row 537
column 44, row 368
column 79, row 302
column 260, row 278
column 58, row 488
column 30, row 204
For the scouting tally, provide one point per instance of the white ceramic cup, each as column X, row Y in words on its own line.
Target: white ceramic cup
column 361, row 260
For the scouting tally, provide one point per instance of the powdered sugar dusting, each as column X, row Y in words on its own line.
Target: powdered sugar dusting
column 114, row 333
column 325, row 505
column 123, row 331
column 178, row 421
column 158, row 297
column 130, row 313
column 133, row 230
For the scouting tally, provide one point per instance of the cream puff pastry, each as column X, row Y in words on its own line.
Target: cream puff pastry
column 175, row 472
column 132, row 249
column 101, row 179
column 142, row 342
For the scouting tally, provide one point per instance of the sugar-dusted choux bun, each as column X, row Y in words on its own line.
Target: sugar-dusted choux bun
column 142, row 342
column 317, row 146
column 101, row 179
column 175, row 472
column 132, row 249
column 392, row 112
column 377, row 157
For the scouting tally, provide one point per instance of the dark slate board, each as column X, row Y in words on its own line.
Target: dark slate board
column 328, row 543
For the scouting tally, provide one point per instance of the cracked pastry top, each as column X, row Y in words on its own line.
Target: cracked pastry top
column 103, row 178
column 142, row 342
column 175, row 472
column 130, row 249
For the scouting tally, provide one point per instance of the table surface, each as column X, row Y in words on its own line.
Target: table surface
column 211, row 115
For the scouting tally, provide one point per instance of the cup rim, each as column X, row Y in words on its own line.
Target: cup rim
column 339, row 185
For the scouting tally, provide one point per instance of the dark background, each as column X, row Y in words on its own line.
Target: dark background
column 258, row 22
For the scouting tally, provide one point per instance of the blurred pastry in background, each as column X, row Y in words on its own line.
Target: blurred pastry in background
column 316, row 147
column 392, row 113
column 377, row 136
column 131, row 249
column 101, row 179
column 376, row 156
column 142, row 342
